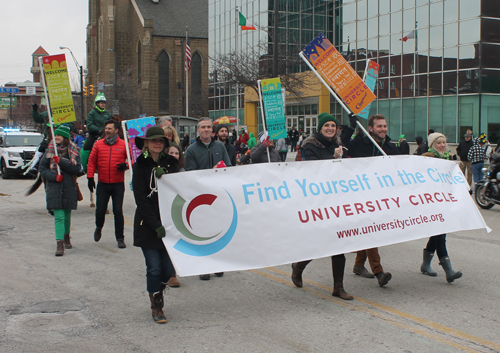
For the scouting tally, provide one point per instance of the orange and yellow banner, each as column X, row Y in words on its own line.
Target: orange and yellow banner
column 339, row 74
column 59, row 89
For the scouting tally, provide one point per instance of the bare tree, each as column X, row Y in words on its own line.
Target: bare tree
column 128, row 94
column 255, row 64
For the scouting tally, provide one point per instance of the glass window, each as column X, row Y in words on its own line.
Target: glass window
column 382, row 88
column 422, row 39
column 468, row 56
column 468, row 81
column 372, row 47
column 408, row 3
column 436, row 37
column 408, row 64
column 421, row 62
column 396, row 44
column 361, row 30
column 450, row 59
column 384, row 25
column 383, row 46
column 490, row 8
column 490, row 112
column 436, row 13
column 408, row 20
column 308, row 109
column 372, row 27
column 372, row 8
column 422, row 16
column 383, row 108
column 396, row 22
column 395, row 89
column 490, row 81
column 451, row 34
column 314, row 109
column 468, row 114
column 435, row 84
column 295, row 110
column 349, row 32
column 421, row 88
column 396, row 5
column 349, row 12
column 394, row 119
column 422, row 2
column 435, row 60
column 395, row 65
column 490, row 30
column 450, row 10
column 436, row 114
column 490, row 54
column 362, row 9
column 407, row 86
column 384, row 7
column 469, row 31
column 470, row 8
column 450, row 83
column 409, row 119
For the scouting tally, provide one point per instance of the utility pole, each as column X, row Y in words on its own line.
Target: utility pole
column 275, row 52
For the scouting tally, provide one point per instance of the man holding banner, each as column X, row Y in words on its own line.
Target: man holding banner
column 362, row 146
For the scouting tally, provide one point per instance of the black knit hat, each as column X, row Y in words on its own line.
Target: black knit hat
column 220, row 126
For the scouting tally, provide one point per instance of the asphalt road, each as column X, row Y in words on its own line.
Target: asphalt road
column 94, row 299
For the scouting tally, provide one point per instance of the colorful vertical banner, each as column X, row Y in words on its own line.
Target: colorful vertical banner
column 274, row 111
column 371, row 81
column 338, row 73
column 59, row 89
column 138, row 127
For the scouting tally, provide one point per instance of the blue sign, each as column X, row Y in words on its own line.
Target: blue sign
column 9, row 90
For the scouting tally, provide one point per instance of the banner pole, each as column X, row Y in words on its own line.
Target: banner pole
column 337, row 98
column 127, row 141
column 366, row 69
column 49, row 113
column 263, row 118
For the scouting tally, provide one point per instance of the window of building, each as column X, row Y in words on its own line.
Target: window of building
column 163, row 78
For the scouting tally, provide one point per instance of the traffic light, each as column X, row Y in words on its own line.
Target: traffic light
column 91, row 90
column 85, row 91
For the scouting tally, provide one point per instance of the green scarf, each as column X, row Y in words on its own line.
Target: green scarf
column 445, row 155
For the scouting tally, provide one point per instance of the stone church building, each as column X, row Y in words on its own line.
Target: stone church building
column 136, row 53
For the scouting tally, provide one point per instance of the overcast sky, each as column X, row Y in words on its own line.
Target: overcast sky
column 28, row 24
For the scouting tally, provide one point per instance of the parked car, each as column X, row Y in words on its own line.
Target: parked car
column 16, row 149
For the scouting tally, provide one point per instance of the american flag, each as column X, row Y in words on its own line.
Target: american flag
column 187, row 63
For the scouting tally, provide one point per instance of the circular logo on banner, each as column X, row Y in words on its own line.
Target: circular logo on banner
column 196, row 244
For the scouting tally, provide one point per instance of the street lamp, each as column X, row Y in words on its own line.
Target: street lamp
column 80, row 70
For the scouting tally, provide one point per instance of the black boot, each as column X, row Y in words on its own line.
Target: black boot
column 157, row 307
column 338, row 267
column 297, row 269
column 97, row 234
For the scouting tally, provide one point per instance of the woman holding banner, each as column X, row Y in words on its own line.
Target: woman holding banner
column 153, row 163
column 60, row 173
column 438, row 149
column 324, row 145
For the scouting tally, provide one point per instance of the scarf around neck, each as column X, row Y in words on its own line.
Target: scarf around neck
column 111, row 140
column 445, row 155
column 70, row 151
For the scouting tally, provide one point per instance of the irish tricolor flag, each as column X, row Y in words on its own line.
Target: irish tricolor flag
column 245, row 25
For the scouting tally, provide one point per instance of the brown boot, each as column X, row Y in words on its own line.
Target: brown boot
column 60, row 248
column 67, row 242
column 297, row 269
column 157, row 307
column 173, row 281
column 338, row 267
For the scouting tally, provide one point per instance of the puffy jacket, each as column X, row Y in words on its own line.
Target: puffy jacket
column 105, row 159
column 319, row 147
column 96, row 120
column 147, row 214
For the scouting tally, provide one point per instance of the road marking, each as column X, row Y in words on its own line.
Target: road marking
column 426, row 328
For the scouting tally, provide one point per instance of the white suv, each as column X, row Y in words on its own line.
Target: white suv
column 16, row 149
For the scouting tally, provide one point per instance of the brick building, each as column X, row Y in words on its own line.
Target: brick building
column 143, row 41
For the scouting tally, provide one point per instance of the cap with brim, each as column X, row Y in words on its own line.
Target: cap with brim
column 468, row 135
column 152, row 133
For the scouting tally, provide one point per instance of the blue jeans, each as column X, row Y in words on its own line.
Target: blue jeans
column 437, row 243
column 476, row 171
column 159, row 268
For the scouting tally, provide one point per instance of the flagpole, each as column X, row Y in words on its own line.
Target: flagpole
column 234, row 58
column 187, row 72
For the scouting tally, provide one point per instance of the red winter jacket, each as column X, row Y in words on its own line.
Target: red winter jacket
column 105, row 159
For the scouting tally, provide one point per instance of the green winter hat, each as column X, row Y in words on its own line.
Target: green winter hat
column 323, row 118
column 99, row 98
column 63, row 131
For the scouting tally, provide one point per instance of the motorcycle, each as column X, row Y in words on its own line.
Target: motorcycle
column 487, row 192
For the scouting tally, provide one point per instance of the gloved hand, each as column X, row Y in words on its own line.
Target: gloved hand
column 56, row 159
column 35, row 107
column 59, row 178
column 121, row 167
column 266, row 142
column 160, row 232
column 91, row 184
column 159, row 171
column 130, row 186
column 352, row 120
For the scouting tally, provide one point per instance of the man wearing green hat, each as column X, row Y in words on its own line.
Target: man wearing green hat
column 96, row 120
column 403, row 146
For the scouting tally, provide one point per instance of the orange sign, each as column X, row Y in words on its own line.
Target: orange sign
column 339, row 74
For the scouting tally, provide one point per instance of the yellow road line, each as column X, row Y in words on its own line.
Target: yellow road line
column 388, row 310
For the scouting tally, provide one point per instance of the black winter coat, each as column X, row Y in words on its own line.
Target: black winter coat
column 258, row 154
column 404, row 147
column 362, row 146
column 62, row 195
column 421, row 149
column 318, row 147
column 463, row 149
column 231, row 152
column 147, row 214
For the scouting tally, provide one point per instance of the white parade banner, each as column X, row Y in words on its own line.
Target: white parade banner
column 264, row 215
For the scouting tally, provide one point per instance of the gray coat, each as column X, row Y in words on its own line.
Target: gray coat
column 259, row 154
column 60, row 195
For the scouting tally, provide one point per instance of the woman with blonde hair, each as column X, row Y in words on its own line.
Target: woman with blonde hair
column 437, row 243
column 171, row 134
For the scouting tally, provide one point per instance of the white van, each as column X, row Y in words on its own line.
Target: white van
column 16, row 149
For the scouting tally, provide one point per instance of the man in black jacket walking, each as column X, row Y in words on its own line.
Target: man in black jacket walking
column 462, row 151
column 362, row 146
